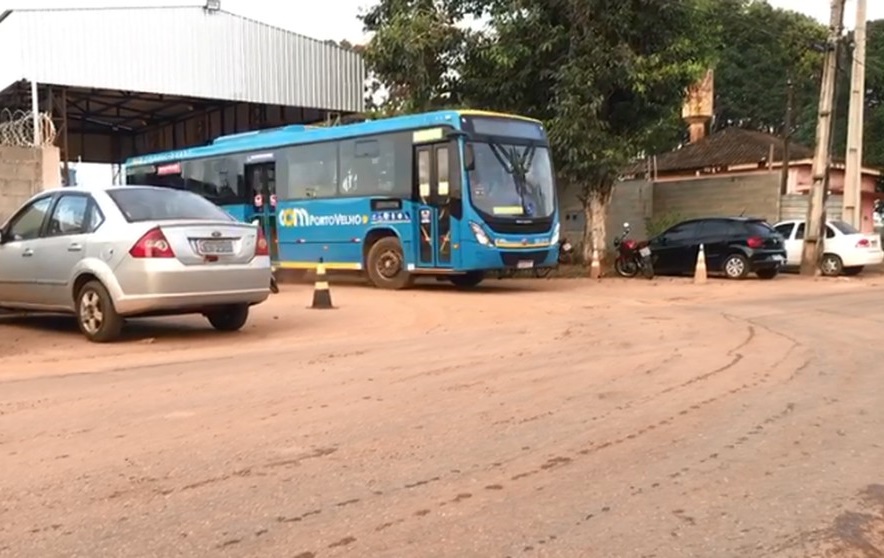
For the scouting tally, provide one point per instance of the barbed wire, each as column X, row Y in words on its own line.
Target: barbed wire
column 17, row 128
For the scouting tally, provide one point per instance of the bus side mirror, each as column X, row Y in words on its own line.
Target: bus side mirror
column 469, row 157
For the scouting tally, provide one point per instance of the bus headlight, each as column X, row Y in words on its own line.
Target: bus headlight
column 555, row 237
column 480, row 235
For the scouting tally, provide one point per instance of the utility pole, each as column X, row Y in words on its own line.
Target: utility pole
column 787, row 137
column 852, row 205
column 816, row 209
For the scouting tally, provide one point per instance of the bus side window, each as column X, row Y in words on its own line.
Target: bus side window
column 423, row 174
column 442, row 171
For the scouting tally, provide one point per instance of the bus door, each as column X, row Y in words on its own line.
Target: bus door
column 261, row 183
column 436, row 233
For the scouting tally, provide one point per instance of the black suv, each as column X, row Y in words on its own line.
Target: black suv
column 735, row 246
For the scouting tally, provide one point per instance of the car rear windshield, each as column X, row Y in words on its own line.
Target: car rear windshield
column 159, row 204
column 759, row 228
column 845, row 228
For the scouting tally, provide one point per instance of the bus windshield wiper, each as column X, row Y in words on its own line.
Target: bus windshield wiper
column 516, row 165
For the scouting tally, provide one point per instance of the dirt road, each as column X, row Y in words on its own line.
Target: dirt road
column 549, row 418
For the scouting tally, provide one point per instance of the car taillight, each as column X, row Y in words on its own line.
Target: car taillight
column 755, row 242
column 261, row 246
column 152, row 245
column 863, row 243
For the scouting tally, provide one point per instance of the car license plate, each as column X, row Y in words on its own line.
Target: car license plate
column 525, row 264
column 644, row 252
column 778, row 258
column 215, row 247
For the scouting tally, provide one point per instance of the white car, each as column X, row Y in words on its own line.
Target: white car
column 845, row 249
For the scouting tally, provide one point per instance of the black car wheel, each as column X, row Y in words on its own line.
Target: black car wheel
column 736, row 266
column 229, row 318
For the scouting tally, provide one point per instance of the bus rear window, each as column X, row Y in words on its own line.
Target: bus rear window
column 160, row 204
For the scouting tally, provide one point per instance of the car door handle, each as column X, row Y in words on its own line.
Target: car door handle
column 27, row 253
column 75, row 247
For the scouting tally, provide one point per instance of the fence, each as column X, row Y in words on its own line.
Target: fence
column 17, row 129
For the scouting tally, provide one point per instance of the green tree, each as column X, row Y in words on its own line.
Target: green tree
column 873, row 144
column 414, row 53
column 605, row 75
column 761, row 48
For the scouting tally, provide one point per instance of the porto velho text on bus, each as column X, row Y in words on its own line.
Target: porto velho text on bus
column 452, row 194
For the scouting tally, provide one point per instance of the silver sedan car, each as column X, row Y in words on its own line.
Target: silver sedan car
column 130, row 251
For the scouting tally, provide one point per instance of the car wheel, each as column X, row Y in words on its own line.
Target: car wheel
column 853, row 271
column 229, row 318
column 767, row 273
column 831, row 265
column 96, row 315
column 386, row 265
column 736, row 266
column 468, row 280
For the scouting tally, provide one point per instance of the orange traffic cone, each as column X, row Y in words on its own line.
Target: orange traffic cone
column 321, row 293
column 700, row 269
column 595, row 268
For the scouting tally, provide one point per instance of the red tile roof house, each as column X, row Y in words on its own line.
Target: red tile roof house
column 738, row 151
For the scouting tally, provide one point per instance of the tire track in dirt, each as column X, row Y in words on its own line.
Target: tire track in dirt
column 562, row 460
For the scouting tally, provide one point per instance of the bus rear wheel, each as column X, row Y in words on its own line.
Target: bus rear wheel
column 386, row 265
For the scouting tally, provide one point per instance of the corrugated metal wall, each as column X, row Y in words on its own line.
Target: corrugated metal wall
column 10, row 63
column 182, row 51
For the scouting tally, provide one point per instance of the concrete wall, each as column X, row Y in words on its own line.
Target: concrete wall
column 24, row 171
column 794, row 206
column 631, row 201
column 752, row 195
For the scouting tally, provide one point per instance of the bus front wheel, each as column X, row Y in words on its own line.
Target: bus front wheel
column 386, row 265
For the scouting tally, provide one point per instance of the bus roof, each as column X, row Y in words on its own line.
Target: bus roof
column 298, row 134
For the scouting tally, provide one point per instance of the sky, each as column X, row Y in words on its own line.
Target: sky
column 337, row 19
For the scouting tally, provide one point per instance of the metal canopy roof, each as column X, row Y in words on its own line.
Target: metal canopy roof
column 179, row 51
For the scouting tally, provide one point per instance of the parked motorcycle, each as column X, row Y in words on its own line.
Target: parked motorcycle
column 632, row 257
column 566, row 256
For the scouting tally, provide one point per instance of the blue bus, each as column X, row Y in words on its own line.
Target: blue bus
column 451, row 194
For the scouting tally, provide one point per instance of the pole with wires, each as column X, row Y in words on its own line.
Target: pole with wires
column 816, row 209
column 852, row 205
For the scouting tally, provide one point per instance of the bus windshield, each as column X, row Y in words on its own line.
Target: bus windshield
column 512, row 181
